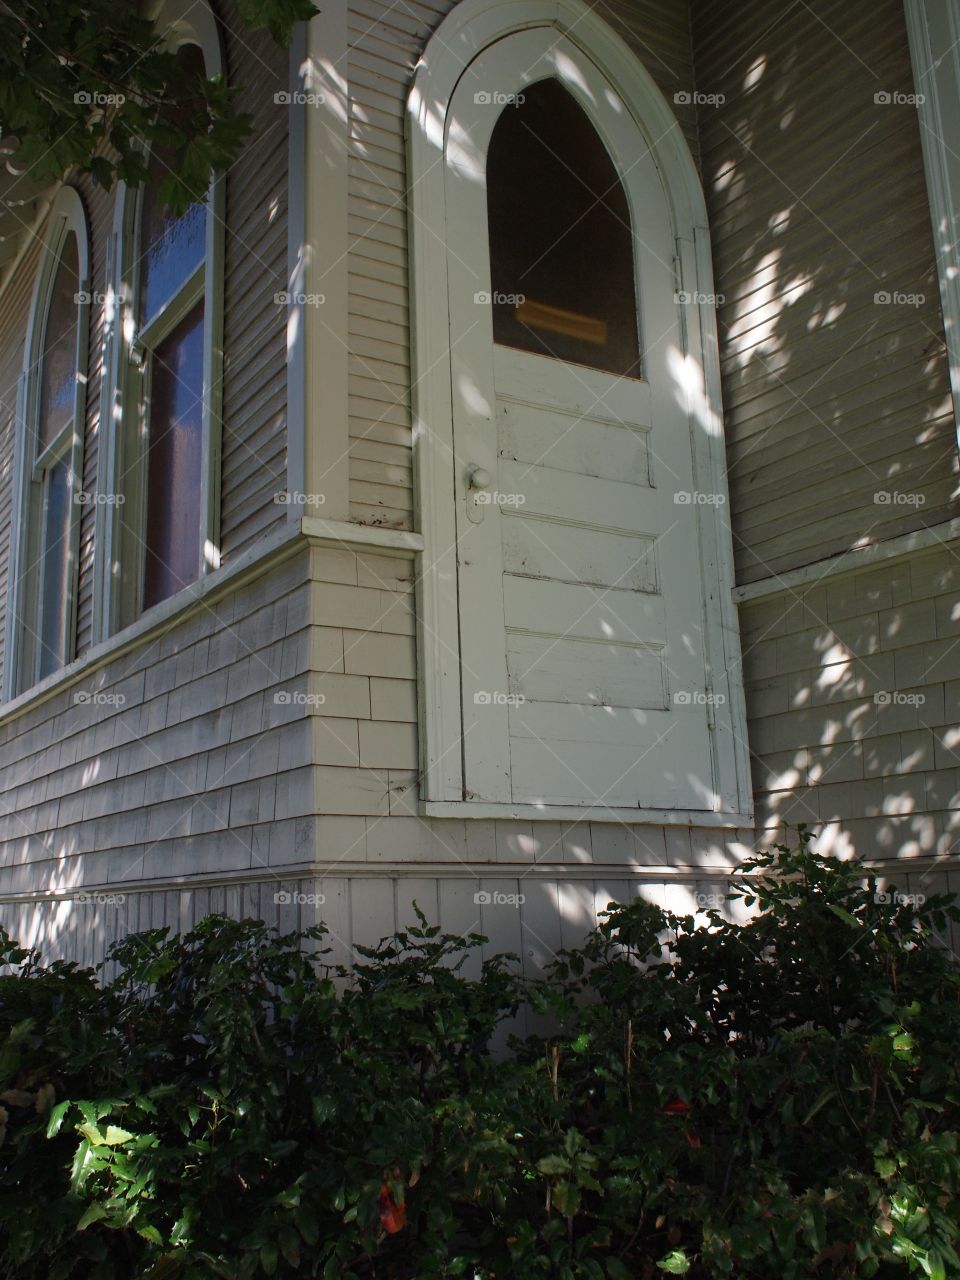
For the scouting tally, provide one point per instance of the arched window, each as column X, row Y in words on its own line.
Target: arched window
column 50, row 448
column 561, row 250
column 164, row 461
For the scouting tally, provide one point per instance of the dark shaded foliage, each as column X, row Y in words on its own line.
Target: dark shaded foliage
column 774, row 1097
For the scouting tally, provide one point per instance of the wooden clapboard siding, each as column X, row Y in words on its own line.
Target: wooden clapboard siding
column 14, row 309
column 385, row 43
column 817, row 203
column 99, row 205
column 253, row 460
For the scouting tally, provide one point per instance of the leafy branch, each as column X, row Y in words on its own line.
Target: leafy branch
column 89, row 87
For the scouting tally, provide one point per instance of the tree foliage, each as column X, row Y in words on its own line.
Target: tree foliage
column 87, row 86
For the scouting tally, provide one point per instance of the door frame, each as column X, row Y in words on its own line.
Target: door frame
column 471, row 27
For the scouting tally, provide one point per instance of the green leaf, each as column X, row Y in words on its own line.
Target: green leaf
column 551, row 1165
column 617, row 1271
column 821, row 1102
column 93, row 1213
column 55, row 1119
column 91, row 1133
column 115, row 1137
column 566, row 1198
column 845, row 916
column 933, row 1265
column 676, row 1263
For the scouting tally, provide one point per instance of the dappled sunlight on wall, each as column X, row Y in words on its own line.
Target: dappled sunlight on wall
column 853, row 691
column 838, row 418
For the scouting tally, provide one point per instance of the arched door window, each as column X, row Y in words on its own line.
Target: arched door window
column 50, row 445
column 561, row 249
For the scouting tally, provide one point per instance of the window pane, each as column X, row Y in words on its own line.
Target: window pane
column 58, row 355
column 561, row 248
column 55, row 567
column 173, row 460
column 170, row 248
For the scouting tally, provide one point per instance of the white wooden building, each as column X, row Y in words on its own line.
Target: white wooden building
column 530, row 480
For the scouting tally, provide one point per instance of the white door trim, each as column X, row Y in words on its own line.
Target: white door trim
column 933, row 30
column 470, row 28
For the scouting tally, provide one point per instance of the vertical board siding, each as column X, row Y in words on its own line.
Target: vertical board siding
column 385, row 43
column 818, row 203
column 253, row 458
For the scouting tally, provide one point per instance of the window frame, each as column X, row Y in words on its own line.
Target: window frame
column 119, row 575
column 66, row 217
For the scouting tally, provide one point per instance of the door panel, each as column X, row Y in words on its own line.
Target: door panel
column 579, row 585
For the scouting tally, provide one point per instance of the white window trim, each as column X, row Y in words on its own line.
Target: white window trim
column 66, row 217
column 471, row 27
column 118, row 589
column 318, row 437
column 933, row 30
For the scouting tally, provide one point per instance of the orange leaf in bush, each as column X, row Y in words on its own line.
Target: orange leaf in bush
column 393, row 1216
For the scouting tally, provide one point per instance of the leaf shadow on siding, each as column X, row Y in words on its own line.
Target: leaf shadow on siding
column 836, row 388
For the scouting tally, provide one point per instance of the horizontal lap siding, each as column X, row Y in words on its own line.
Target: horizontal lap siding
column 852, row 700
column 385, row 43
column 817, row 202
column 194, row 758
column 14, row 309
column 253, row 466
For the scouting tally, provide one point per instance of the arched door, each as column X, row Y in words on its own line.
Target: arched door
column 579, row 586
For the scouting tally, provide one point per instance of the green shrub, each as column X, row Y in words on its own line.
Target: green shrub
column 773, row 1097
